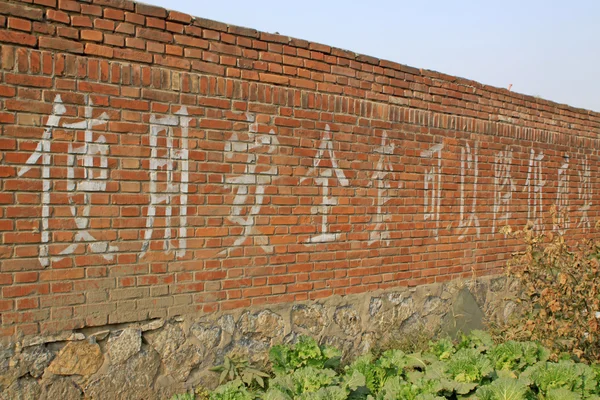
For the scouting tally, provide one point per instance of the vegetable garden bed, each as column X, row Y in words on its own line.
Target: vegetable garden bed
column 474, row 367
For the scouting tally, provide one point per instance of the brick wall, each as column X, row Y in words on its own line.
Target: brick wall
column 154, row 164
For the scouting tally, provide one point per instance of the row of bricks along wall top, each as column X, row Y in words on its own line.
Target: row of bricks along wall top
column 154, row 164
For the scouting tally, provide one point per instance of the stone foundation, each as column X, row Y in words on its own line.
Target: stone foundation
column 158, row 358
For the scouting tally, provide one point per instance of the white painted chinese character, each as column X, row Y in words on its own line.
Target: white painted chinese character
column 534, row 186
column 93, row 155
column 433, row 187
column 164, row 161
column 585, row 194
column 562, row 198
column 42, row 151
column 504, row 187
column 382, row 170
column 469, row 160
column 324, row 175
column 256, row 176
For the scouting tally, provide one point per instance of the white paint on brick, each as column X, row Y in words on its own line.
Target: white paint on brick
column 562, row 198
column 257, row 176
column 585, row 194
column 165, row 161
column 93, row 155
column 469, row 162
column 43, row 151
column 433, row 186
column 534, row 186
column 383, row 169
column 504, row 186
column 323, row 175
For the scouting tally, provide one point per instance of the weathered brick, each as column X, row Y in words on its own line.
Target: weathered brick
column 121, row 4
column 90, row 9
column 21, row 10
column 208, row 67
column 69, row 5
column 125, row 28
column 61, row 44
column 209, row 24
column 98, row 50
column 151, row 11
column 133, row 55
column 153, row 34
column 58, row 16
column 17, row 38
column 28, row 80
column 135, row 18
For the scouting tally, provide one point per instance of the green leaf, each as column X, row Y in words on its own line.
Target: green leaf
column 562, row 394
column 355, row 380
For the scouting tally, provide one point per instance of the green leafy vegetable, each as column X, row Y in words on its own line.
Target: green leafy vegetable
column 305, row 353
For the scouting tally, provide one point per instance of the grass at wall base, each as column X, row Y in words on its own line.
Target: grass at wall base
column 548, row 351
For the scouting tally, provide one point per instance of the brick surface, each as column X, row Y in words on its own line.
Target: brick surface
column 150, row 160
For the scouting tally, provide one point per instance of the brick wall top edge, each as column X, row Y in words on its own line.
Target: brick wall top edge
column 277, row 38
column 160, row 13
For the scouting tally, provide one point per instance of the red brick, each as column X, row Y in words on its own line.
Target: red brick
column 271, row 78
column 225, row 49
column 138, row 105
column 67, row 32
column 82, row 21
column 210, row 24
column 126, row 28
column 153, row 34
column 27, row 304
column 135, row 18
column 98, row 50
column 238, row 30
column 208, row 67
column 121, row 4
column 151, row 11
column 104, row 24
column 114, row 40
column 58, row 16
column 19, row 24
column 18, row 38
column 61, row 44
column 25, row 290
column 173, row 62
column 111, row 13
column 92, row 36
column 179, row 17
column 89, row 9
column 69, row 5
column 21, row 10
column 28, row 80
column 190, row 41
column 135, row 43
column 133, row 55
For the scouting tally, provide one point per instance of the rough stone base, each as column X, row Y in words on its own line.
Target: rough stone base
column 154, row 359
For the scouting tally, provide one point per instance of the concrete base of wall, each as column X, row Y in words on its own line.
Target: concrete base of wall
column 154, row 359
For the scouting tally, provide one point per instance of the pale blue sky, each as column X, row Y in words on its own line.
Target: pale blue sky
column 546, row 48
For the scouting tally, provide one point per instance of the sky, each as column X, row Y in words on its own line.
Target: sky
column 544, row 48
